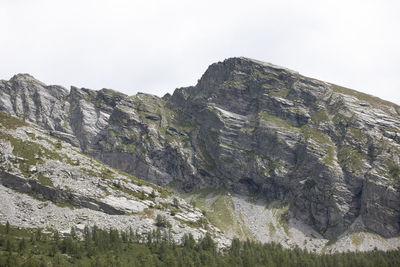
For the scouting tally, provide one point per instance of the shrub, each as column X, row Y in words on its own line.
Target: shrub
column 161, row 221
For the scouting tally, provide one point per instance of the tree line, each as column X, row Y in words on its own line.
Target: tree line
column 99, row 247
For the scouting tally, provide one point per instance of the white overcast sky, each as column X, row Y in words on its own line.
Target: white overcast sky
column 156, row 46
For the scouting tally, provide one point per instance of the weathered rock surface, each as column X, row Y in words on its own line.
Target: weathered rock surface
column 45, row 182
column 331, row 153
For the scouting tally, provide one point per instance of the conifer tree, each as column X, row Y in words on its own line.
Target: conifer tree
column 7, row 227
column 21, row 245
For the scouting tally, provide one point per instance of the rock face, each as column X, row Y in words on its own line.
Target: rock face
column 331, row 153
column 47, row 183
column 76, row 116
column 56, row 195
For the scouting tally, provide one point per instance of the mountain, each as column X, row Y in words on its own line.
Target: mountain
column 268, row 153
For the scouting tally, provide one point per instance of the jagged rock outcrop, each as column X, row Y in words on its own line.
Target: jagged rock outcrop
column 330, row 152
column 76, row 116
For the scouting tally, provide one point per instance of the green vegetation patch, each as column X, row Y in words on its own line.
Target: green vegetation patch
column 320, row 116
column 350, row 158
column 127, row 147
column 198, row 197
column 31, row 152
column 91, row 172
column 221, row 212
column 140, row 195
column 394, row 170
column 323, row 140
column 271, row 230
column 108, row 173
column 270, row 78
column 200, row 223
column 65, row 205
column 244, row 232
column 44, row 180
column 341, row 119
column 357, row 133
column 11, row 122
column 373, row 100
column 164, row 192
column 31, row 135
column 218, row 207
column 276, row 120
column 282, row 214
column 282, row 92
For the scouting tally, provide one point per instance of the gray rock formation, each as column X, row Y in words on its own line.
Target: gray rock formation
column 47, row 183
column 331, row 153
column 59, row 196
column 77, row 116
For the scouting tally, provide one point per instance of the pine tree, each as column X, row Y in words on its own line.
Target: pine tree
column 38, row 236
column 21, row 245
column 235, row 246
column 52, row 250
column 87, row 234
column 11, row 260
column 56, row 237
column 131, row 235
column 7, row 227
column 188, row 241
column 73, row 232
column 8, row 246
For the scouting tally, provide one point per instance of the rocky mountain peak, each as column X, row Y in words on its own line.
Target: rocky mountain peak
column 311, row 133
column 23, row 77
column 237, row 67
